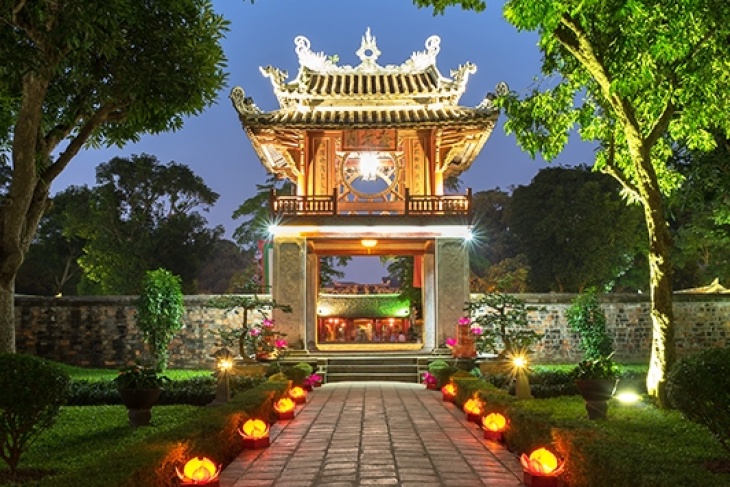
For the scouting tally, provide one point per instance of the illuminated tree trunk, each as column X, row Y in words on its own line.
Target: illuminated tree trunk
column 663, row 352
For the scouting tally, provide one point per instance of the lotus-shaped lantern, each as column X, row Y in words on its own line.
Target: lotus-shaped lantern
column 284, row 408
column 541, row 468
column 473, row 409
column 255, row 433
column 199, row 471
column 448, row 392
column 298, row 394
column 494, row 425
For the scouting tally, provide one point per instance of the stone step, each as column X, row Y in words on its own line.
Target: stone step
column 411, row 377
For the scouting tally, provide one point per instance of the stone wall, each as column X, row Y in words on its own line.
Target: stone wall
column 101, row 331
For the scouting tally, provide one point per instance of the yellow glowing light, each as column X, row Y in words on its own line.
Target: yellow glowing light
column 255, row 429
column 541, row 462
column 628, row 397
column 368, row 243
column 519, row 361
column 225, row 365
column 297, row 392
column 284, row 405
column 473, row 406
column 198, row 471
column 449, row 389
column 369, row 166
column 494, row 422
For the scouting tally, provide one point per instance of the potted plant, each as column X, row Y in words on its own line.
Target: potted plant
column 597, row 374
column 139, row 388
column 596, row 381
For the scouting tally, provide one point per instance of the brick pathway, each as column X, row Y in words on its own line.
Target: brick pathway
column 375, row 433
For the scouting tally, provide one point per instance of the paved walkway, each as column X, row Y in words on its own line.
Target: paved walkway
column 375, row 433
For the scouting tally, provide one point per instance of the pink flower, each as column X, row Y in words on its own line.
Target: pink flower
column 451, row 342
column 254, row 332
column 464, row 320
column 429, row 378
column 267, row 323
column 315, row 378
column 280, row 343
column 476, row 330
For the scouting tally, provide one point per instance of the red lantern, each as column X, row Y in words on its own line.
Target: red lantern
column 541, row 468
column 473, row 410
column 448, row 392
column 494, row 425
column 199, row 471
column 255, row 433
column 298, row 394
column 284, row 408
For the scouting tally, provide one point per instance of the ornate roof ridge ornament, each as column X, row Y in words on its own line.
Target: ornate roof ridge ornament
column 368, row 53
column 487, row 104
column 242, row 103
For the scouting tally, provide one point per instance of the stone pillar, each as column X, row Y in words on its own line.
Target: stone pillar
column 452, row 284
column 290, row 286
column 428, row 293
column 310, row 335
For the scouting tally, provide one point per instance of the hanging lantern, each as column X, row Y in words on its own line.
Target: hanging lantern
column 255, row 433
column 199, row 471
column 494, row 425
column 448, row 392
column 473, row 409
column 541, row 468
column 284, row 408
column 298, row 394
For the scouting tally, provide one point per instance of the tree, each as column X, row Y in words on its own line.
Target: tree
column 50, row 266
column 639, row 78
column 575, row 230
column 700, row 216
column 225, row 262
column 95, row 72
column 143, row 216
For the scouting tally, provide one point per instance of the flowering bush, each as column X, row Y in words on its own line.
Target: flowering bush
column 429, row 379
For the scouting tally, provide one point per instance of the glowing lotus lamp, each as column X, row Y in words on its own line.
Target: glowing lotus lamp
column 494, row 425
column 473, row 409
column 541, row 468
column 199, row 471
column 284, row 408
column 298, row 394
column 448, row 392
column 255, row 434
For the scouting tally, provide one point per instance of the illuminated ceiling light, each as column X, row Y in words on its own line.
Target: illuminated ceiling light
column 469, row 237
column 368, row 243
column 369, row 166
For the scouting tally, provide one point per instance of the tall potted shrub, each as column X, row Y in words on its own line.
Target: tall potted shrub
column 159, row 312
column 597, row 374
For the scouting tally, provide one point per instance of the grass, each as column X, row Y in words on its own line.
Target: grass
column 81, row 373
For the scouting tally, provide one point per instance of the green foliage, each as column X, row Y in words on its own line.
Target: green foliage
column 600, row 368
column 699, row 386
column 298, row 373
column 442, row 370
column 158, row 207
column 33, row 392
column 139, row 377
column 253, row 337
column 586, row 317
column 502, row 319
column 160, row 308
column 576, row 231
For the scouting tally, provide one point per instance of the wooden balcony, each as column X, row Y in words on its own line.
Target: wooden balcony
column 412, row 205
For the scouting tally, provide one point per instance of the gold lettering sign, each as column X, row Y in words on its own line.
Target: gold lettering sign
column 370, row 139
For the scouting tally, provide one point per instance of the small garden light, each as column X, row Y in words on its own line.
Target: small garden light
column 298, row 394
column 494, row 425
column 199, row 471
column 522, row 382
column 255, row 434
column 224, row 366
column 448, row 392
column 473, row 409
column 284, row 408
column 541, row 468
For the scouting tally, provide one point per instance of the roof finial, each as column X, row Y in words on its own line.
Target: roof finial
column 368, row 52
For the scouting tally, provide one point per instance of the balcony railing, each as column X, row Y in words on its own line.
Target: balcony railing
column 327, row 205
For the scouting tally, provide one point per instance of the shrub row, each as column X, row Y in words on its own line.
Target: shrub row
column 152, row 461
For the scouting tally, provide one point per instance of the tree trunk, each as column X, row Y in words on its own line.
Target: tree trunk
column 663, row 350
column 7, row 316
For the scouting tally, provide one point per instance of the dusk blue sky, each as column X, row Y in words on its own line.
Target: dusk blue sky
column 215, row 147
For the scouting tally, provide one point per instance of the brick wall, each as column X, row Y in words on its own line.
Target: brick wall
column 101, row 331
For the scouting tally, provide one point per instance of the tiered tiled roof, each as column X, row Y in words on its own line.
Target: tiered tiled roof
column 325, row 95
